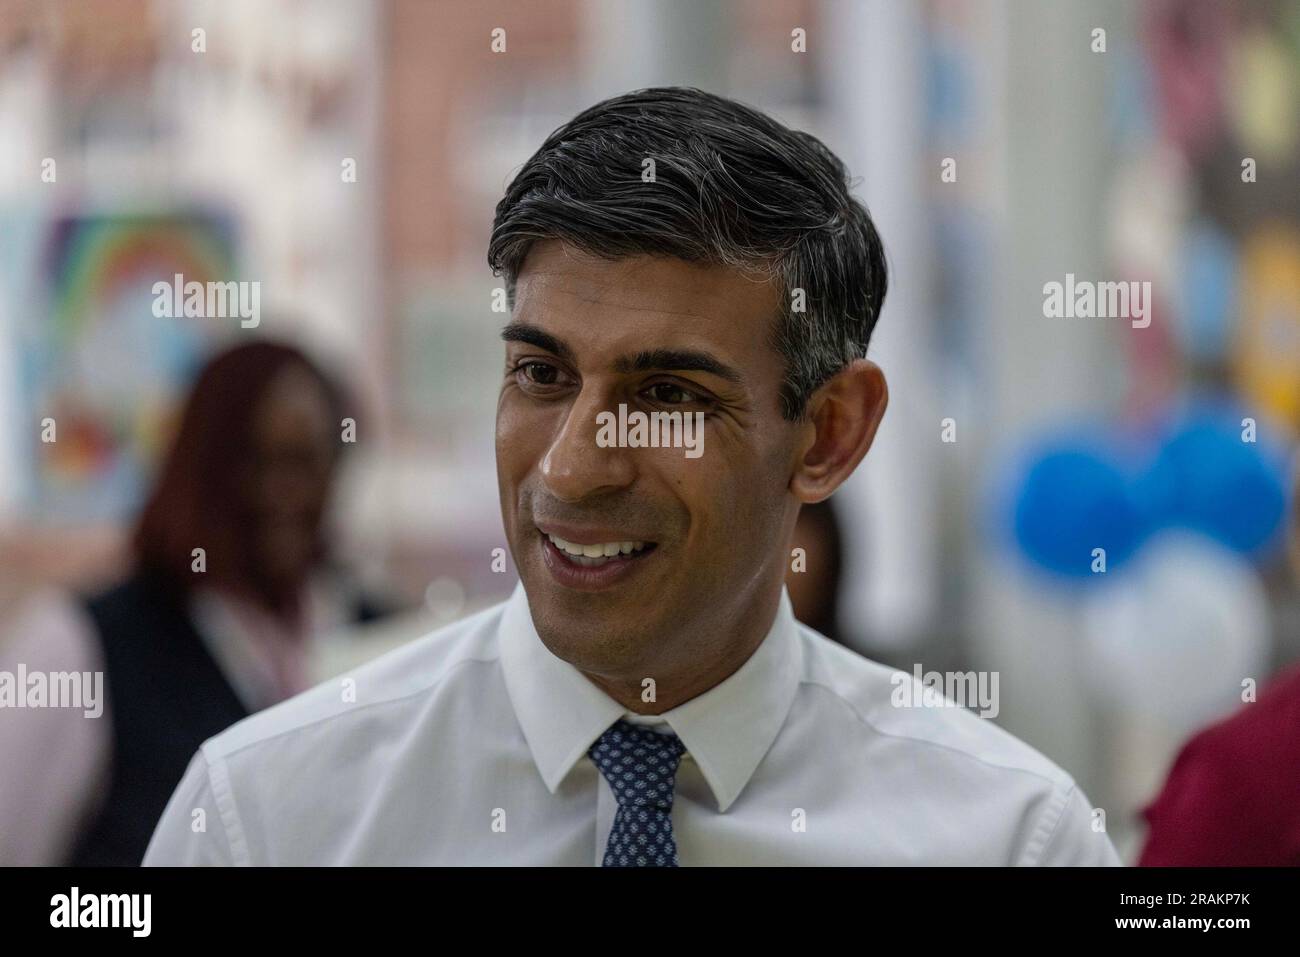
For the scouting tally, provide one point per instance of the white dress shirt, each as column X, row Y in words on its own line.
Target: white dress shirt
column 469, row 746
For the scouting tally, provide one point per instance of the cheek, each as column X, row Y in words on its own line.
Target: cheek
column 509, row 433
column 757, row 499
column 724, row 495
column 522, row 431
column 503, row 423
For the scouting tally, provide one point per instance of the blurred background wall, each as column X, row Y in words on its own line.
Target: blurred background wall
column 348, row 156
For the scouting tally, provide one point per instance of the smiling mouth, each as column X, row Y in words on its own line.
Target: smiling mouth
column 595, row 555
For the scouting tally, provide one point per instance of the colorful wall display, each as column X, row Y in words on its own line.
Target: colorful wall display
column 97, row 364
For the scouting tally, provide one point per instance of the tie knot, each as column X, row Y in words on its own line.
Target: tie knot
column 639, row 764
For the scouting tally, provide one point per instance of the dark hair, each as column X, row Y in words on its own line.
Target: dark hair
column 195, row 500
column 732, row 187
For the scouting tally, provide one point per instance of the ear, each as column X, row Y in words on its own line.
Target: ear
column 843, row 416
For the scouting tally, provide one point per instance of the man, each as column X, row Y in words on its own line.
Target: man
column 646, row 697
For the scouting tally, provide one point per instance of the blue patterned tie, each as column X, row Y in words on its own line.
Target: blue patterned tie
column 641, row 768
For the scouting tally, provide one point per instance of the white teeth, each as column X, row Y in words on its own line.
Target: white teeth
column 567, row 546
column 598, row 554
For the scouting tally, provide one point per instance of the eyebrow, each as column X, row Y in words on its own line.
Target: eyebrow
column 677, row 360
column 652, row 360
column 523, row 332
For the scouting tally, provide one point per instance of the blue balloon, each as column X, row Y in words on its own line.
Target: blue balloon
column 1071, row 501
column 1206, row 477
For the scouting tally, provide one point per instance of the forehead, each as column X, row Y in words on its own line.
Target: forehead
column 644, row 302
column 294, row 402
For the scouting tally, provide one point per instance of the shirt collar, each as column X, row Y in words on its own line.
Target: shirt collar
column 727, row 730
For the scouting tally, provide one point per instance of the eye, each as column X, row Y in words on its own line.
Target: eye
column 537, row 377
column 540, row 373
column 669, row 393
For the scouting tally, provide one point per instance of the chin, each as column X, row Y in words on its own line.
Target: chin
column 589, row 641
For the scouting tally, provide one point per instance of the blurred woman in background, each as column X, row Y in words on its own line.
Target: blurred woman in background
column 212, row 623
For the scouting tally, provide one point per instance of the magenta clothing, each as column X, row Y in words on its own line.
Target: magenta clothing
column 1233, row 795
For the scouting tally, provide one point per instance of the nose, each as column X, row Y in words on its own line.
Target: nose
column 576, row 467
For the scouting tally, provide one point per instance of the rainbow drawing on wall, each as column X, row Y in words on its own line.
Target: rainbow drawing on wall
column 100, row 364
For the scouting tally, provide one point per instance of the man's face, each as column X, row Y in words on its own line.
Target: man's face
column 655, row 334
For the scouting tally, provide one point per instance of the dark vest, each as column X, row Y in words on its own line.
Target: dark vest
column 166, row 696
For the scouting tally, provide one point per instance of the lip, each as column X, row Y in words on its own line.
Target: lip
column 585, row 578
column 589, row 536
